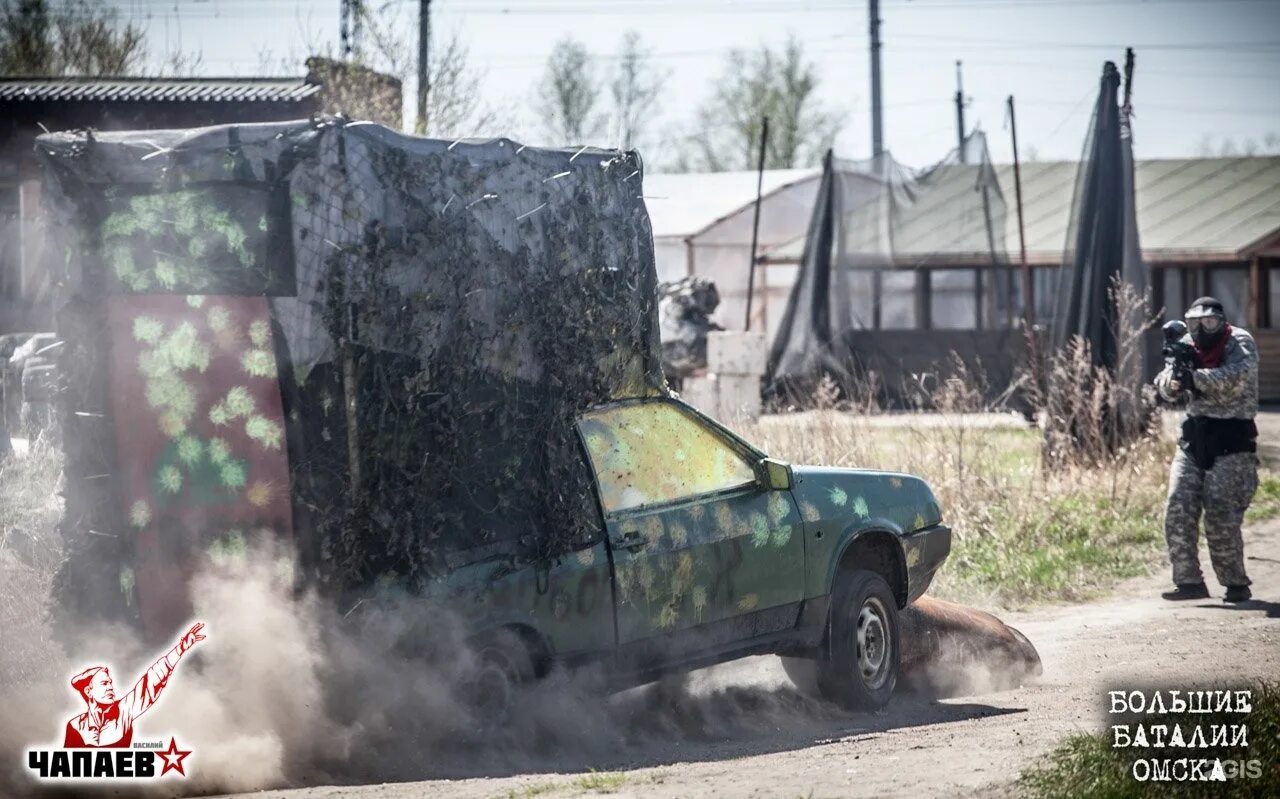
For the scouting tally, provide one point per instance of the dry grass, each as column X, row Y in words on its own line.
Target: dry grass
column 1022, row 533
column 30, row 550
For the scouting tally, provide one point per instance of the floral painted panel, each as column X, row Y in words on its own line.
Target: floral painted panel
column 200, row 436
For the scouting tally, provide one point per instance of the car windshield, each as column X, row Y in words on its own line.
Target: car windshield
column 654, row 453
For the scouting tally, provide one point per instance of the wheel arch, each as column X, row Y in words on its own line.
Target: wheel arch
column 876, row 547
column 535, row 643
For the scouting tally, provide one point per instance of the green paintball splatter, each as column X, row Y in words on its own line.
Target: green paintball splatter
column 147, row 330
column 779, row 507
column 259, row 363
column 127, row 583
column 838, row 497
column 264, row 431
column 860, row 508
column 170, row 478
column 219, row 319
column 259, row 332
column 782, row 535
column 185, row 350
column 219, row 451
column 239, row 402
column 190, row 449
column 140, row 514
column 233, row 473
column 759, row 530
column 219, row 415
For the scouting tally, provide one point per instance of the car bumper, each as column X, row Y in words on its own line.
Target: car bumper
column 925, row 551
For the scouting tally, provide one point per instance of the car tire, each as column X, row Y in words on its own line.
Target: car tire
column 865, row 653
column 503, row 666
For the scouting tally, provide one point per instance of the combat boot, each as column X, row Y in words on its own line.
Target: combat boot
column 1238, row 593
column 1187, row 591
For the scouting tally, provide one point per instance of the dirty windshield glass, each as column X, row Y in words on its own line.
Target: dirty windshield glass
column 654, row 453
column 211, row 239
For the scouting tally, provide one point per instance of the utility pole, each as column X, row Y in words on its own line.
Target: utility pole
column 424, row 43
column 755, row 224
column 1028, row 291
column 960, row 112
column 877, row 131
column 344, row 29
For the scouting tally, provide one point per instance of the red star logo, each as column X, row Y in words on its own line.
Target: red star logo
column 173, row 758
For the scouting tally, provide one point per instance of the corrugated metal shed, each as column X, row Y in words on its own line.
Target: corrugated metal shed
column 156, row 90
column 682, row 205
column 1189, row 209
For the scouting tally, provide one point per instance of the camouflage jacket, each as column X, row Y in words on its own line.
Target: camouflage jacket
column 1229, row 390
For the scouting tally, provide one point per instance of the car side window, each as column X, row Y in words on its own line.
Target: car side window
column 653, row 453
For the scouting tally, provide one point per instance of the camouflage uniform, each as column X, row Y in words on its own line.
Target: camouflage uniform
column 1223, row 492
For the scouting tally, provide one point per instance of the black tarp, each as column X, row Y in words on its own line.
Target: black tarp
column 1102, row 251
column 876, row 227
column 441, row 311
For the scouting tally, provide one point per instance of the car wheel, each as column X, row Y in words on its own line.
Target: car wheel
column 503, row 666
column 865, row 653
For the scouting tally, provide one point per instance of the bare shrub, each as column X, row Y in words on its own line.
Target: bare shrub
column 1089, row 413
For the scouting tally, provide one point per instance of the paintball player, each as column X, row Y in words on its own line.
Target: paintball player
column 1216, row 468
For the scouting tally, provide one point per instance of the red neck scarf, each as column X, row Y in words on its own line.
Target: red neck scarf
column 1211, row 358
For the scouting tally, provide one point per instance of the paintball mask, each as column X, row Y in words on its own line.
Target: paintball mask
column 1206, row 321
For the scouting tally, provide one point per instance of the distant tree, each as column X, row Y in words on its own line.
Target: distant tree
column 781, row 85
column 75, row 37
column 569, row 93
column 454, row 105
column 634, row 89
column 1226, row 147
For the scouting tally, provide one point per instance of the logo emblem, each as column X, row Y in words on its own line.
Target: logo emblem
column 108, row 724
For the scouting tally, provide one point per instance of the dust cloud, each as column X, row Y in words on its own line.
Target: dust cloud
column 286, row 690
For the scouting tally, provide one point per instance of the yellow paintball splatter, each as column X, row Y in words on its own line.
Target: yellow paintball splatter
column 260, row 494
column 140, row 514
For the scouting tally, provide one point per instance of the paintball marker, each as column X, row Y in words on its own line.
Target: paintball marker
column 1179, row 356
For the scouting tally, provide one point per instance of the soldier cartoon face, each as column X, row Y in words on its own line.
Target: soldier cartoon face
column 99, row 687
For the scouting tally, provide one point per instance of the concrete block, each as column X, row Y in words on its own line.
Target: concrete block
column 739, row 396
column 702, row 393
column 733, row 352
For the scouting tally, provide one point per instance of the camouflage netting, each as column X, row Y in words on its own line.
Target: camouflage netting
column 409, row 327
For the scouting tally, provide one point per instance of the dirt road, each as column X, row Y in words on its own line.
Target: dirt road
column 773, row 743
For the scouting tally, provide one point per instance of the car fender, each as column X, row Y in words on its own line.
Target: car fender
column 858, row 530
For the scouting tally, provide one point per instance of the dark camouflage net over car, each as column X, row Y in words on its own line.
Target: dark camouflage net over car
column 433, row 317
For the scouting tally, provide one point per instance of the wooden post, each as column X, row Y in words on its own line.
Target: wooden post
column 1255, row 293
column 755, row 224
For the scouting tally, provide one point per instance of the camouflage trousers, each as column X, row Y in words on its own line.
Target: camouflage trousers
column 1223, row 494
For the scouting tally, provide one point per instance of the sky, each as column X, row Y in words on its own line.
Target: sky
column 1206, row 71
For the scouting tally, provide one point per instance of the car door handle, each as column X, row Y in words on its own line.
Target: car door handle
column 630, row 540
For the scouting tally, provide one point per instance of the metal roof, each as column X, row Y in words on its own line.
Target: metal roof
column 1189, row 209
column 156, row 90
column 681, row 205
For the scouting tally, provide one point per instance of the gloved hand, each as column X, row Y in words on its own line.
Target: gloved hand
column 1184, row 376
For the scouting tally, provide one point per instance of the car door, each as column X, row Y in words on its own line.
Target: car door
column 703, row 553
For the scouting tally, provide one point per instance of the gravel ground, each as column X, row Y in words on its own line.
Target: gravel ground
column 973, row 745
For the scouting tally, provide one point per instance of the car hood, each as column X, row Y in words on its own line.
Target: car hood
column 862, row 494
